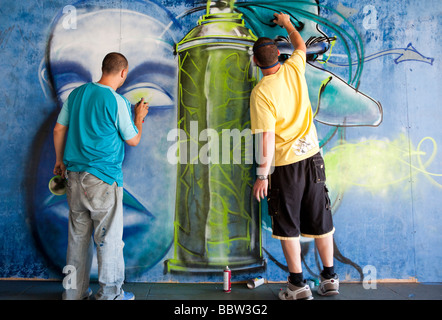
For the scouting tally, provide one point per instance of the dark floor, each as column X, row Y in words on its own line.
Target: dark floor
column 52, row 290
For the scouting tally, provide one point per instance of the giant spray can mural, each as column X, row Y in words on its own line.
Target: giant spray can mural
column 187, row 187
column 216, row 221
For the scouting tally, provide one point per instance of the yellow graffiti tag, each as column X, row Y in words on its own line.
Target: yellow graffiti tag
column 379, row 166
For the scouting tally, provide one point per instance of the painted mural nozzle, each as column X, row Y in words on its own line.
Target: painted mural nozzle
column 57, row 185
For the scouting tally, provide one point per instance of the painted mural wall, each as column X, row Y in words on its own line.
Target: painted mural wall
column 374, row 77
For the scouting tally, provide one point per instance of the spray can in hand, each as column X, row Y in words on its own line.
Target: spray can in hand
column 227, row 278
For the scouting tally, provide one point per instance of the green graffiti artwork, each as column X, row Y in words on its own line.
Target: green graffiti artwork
column 390, row 163
column 216, row 221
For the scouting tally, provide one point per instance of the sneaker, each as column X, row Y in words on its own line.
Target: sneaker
column 293, row 292
column 87, row 294
column 126, row 296
column 328, row 287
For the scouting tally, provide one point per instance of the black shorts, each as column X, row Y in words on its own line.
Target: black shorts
column 298, row 200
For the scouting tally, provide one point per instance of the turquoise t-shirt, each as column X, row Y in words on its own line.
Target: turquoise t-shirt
column 99, row 121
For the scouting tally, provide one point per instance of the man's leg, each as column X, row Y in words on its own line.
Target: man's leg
column 292, row 254
column 106, row 206
column 317, row 222
column 80, row 247
column 296, row 287
column 325, row 249
column 329, row 280
column 79, row 255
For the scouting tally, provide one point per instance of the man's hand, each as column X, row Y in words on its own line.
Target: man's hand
column 59, row 169
column 281, row 19
column 141, row 110
column 260, row 189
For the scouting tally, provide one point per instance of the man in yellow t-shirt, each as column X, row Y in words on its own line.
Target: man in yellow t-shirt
column 281, row 115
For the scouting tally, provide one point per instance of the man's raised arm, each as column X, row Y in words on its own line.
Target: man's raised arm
column 283, row 20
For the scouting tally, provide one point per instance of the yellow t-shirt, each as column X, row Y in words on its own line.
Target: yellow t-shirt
column 280, row 103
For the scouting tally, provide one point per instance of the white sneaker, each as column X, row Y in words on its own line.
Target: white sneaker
column 293, row 292
column 329, row 287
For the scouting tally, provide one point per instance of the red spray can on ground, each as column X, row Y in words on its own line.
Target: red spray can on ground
column 227, row 277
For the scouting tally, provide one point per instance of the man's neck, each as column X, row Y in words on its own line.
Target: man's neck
column 273, row 70
column 108, row 82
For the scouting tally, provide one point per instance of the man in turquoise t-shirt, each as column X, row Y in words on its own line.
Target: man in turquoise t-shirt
column 97, row 122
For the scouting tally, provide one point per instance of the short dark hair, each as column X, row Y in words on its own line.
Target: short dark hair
column 265, row 51
column 114, row 62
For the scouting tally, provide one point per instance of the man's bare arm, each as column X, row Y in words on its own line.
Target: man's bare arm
column 265, row 161
column 59, row 145
column 266, row 153
column 283, row 20
column 141, row 110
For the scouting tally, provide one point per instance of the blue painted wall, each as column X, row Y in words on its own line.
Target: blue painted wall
column 378, row 120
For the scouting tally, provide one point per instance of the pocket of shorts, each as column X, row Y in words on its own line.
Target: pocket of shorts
column 327, row 198
column 319, row 170
column 273, row 202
